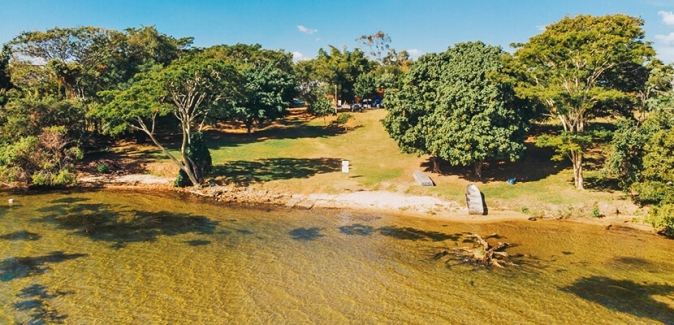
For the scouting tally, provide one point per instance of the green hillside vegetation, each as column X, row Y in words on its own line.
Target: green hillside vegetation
column 301, row 155
column 579, row 117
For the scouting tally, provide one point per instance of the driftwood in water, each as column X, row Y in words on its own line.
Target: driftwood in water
column 481, row 253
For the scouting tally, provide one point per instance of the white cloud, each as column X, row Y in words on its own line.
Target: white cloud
column 666, row 39
column 306, row 30
column 666, row 54
column 297, row 56
column 667, row 17
column 414, row 53
column 541, row 27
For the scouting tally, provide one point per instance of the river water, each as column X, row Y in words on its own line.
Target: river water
column 102, row 257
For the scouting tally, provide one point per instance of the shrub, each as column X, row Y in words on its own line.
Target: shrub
column 198, row 152
column 103, row 168
column 662, row 219
column 45, row 160
column 343, row 118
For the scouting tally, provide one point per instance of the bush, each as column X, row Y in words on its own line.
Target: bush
column 662, row 219
column 182, row 180
column 343, row 118
column 45, row 160
column 198, row 152
column 103, row 168
column 322, row 107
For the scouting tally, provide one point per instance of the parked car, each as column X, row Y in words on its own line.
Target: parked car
column 297, row 103
column 356, row 108
column 378, row 102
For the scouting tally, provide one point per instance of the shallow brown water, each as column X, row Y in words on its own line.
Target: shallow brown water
column 128, row 258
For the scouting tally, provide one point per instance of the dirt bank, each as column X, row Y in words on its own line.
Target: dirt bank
column 380, row 201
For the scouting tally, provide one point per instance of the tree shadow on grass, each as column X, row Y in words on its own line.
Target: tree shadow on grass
column 246, row 172
column 36, row 300
column 535, row 165
column 198, row 242
column 625, row 296
column 601, row 184
column 101, row 222
column 23, row 267
column 216, row 139
column 21, row 235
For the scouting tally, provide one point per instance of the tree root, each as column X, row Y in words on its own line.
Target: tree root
column 482, row 253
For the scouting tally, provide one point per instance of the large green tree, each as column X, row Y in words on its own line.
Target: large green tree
column 641, row 158
column 340, row 69
column 5, row 80
column 268, row 82
column 584, row 67
column 457, row 106
column 191, row 88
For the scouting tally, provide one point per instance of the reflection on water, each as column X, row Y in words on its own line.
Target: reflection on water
column 126, row 258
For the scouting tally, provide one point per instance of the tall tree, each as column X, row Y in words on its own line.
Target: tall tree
column 5, row 80
column 378, row 44
column 584, row 67
column 642, row 157
column 309, row 88
column 67, row 52
column 340, row 69
column 190, row 88
column 456, row 106
column 268, row 82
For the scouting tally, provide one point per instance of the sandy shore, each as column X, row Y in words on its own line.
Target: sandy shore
column 380, row 201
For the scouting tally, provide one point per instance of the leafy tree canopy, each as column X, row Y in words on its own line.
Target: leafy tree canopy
column 191, row 88
column 454, row 106
column 268, row 82
column 340, row 69
column 584, row 67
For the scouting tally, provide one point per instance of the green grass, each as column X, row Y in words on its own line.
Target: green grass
column 301, row 155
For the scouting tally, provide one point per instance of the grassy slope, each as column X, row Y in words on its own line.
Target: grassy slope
column 303, row 156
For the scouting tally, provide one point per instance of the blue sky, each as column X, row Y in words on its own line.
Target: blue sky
column 304, row 26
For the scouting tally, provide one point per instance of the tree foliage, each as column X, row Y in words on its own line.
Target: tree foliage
column 43, row 160
column 322, row 108
column 455, row 106
column 267, row 84
column 378, row 44
column 642, row 157
column 340, row 69
column 190, row 88
column 198, row 153
column 25, row 116
column 584, row 67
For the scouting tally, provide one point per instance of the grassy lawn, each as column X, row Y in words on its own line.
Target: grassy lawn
column 302, row 155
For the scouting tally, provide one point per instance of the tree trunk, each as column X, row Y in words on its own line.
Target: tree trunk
column 436, row 165
column 477, row 168
column 249, row 126
column 184, row 165
column 577, row 159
